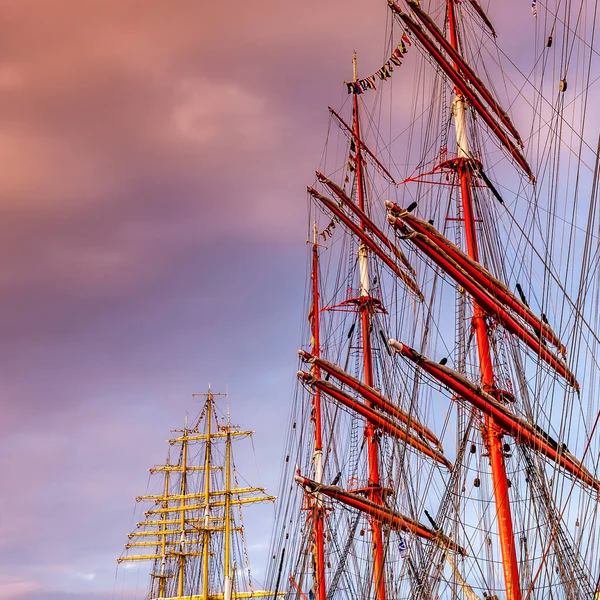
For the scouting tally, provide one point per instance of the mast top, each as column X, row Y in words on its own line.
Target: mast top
column 210, row 398
column 354, row 67
column 209, row 394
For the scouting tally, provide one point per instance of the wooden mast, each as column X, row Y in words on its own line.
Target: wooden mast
column 227, row 579
column 318, row 508
column 492, row 434
column 163, row 537
column 205, row 544
column 182, row 555
column 374, row 492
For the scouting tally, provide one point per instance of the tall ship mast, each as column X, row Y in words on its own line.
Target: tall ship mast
column 193, row 532
column 443, row 440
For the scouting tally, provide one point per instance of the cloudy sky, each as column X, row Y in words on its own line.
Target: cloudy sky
column 152, row 225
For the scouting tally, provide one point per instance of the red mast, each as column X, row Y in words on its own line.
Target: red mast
column 492, row 434
column 374, row 491
column 318, row 513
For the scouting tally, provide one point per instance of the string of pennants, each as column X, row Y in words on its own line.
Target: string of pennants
column 351, row 159
column 368, row 83
column 328, row 231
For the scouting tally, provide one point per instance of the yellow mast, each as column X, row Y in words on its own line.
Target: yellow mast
column 209, row 400
column 163, row 560
column 227, row 581
column 183, row 509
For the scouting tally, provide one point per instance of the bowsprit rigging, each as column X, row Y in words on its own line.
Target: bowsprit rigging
column 444, row 435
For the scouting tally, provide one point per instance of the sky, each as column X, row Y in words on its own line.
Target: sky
column 152, row 240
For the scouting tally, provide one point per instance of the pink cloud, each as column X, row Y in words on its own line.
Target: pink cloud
column 12, row 588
